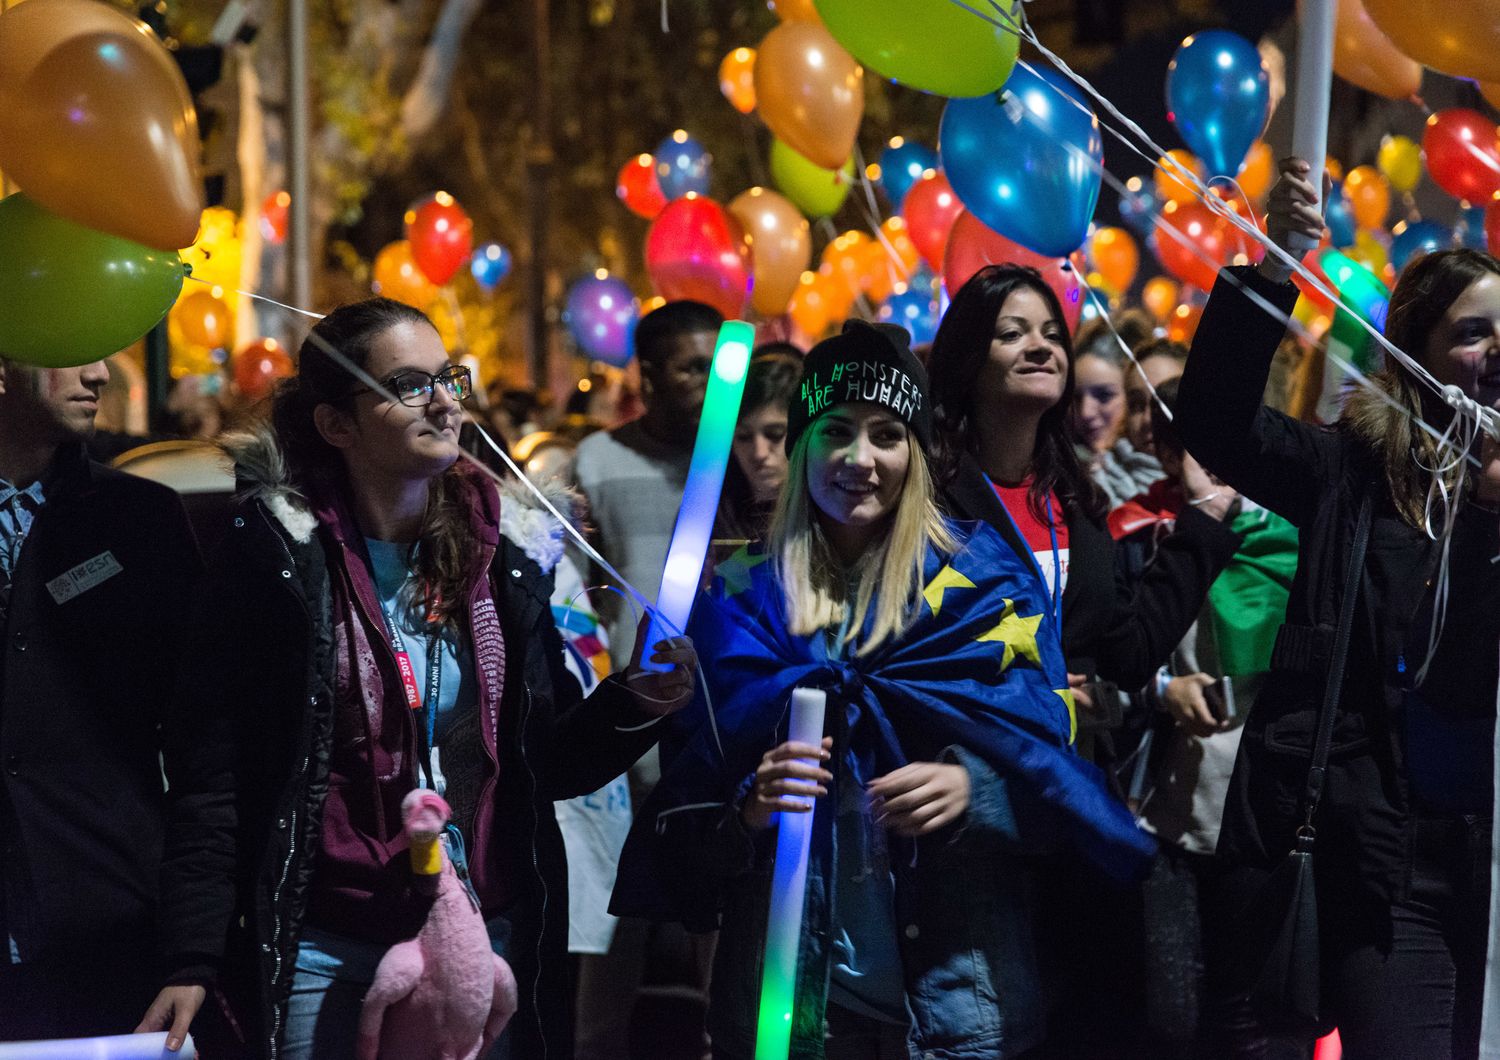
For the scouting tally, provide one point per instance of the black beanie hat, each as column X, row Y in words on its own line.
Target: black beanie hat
column 866, row 362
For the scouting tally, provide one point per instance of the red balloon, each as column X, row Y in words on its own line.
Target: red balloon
column 274, row 217
column 930, row 209
column 1201, row 244
column 1492, row 226
column 973, row 245
column 639, row 189
column 1462, row 154
column 696, row 250
column 441, row 236
column 258, row 366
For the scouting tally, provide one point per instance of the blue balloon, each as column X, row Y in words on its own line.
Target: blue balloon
column 1218, row 96
column 601, row 315
column 1026, row 160
column 903, row 166
column 1139, row 209
column 1418, row 238
column 1339, row 217
column 490, row 264
column 682, row 166
column 1471, row 228
column 915, row 309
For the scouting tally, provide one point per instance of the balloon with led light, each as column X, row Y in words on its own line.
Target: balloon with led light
column 490, row 265
column 205, row 319
column 696, row 250
column 258, row 366
column 781, row 246
column 441, row 236
column 901, row 166
column 1339, row 217
column 915, row 309
column 1416, row 239
column 1400, row 162
column 601, row 315
column 639, row 188
column 931, row 208
column 96, row 122
column 737, row 79
column 1463, row 156
column 682, row 166
column 275, row 212
column 1218, row 97
column 1369, row 196
column 73, row 295
column 818, row 192
column 972, row 246
column 1026, row 161
column 810, row 92
column 397, row 276
column 932, row 45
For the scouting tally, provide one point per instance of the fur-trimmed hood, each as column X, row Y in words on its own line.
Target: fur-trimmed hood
column 262, row 474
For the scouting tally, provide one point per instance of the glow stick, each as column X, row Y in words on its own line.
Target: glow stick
column 1314, row 87
column 114, row 1047
column 778, row 983
column 683, row 572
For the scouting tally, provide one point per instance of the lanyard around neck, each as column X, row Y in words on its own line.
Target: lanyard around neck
column 424, row 705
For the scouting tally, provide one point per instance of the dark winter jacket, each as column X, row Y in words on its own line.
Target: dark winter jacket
column 97, row 607
column 261, row 675
column 1317, row 478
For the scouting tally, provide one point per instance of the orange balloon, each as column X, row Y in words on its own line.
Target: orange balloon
column 811, row 92
column 1490, row 90
column 1334, row 167
column 1168, row 187
column 780, row 246
column 96, row 123
column 1258, row 171
column 1160, row 297
column 811, row 305
column 1183, row 323
column 1460, row 39
column 889, row 260
column 1363, row 55
column 398, row 276
column 844, row 258
column 1369, row 196
column 795, row 11
column 205, row 319
column 737, row 79
column 1115, row 257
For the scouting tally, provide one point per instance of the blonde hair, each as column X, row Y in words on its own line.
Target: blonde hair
column 815, row 583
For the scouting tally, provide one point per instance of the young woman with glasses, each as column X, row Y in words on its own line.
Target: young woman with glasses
column 376, row 622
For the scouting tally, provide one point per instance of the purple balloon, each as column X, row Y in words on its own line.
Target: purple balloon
column 601, row 315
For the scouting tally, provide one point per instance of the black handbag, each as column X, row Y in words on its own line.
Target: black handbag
column 1286, row 988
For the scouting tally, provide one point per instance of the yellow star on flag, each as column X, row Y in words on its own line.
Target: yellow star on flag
column 945, row 579
column 1017, row 633
column 1067, row 698
column 736, row 570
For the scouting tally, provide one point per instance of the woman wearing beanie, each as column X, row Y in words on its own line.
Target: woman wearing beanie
column 947, row 762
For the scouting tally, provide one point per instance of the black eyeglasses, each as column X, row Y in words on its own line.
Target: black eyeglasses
column 415, row 388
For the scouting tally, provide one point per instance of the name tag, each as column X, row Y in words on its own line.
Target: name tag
column 84, row 577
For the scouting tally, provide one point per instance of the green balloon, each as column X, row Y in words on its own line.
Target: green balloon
column 933, row 45
column 818, row 192
column 72, row 295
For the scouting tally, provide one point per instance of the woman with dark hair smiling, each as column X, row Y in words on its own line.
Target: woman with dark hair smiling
column 1002, row 388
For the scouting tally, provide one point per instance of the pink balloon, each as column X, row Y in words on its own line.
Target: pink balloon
column 973, row 245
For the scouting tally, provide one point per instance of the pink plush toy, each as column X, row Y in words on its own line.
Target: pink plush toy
column 443, row 995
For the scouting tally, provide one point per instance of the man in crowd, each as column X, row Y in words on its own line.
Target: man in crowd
column 633, row 477
column 95, row 567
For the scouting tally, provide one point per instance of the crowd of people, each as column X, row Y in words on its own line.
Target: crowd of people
column 1106, row 630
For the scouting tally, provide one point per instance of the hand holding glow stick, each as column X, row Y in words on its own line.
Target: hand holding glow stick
column 778, row 984
column 114, row 1047
column 700, row 499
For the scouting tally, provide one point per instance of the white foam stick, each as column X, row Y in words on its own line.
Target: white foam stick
column 115, row 1047
column 1314, row 86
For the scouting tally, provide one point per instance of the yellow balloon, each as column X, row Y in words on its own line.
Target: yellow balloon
column 1369, row 252
column 1400, row 161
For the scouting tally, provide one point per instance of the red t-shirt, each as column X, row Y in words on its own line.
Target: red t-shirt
column 1037, row 534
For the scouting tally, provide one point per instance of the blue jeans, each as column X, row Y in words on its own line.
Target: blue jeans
column 328, row 991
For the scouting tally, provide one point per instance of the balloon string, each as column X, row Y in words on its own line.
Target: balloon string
column 259, row 298
column 1103, row 311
